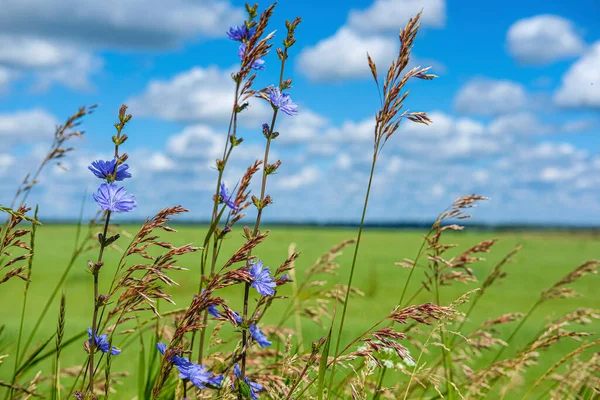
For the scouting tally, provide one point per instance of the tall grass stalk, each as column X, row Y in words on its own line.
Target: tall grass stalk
column 60, row 332
column 387, row 120
column 557, row 364
column 26, row 292
column 352, row 267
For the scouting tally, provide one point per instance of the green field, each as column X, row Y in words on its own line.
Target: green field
column 545, row 258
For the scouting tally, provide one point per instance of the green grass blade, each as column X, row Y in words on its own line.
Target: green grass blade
column 141, row 367
column 323, row 365
column 31, row 360
column 325, row 358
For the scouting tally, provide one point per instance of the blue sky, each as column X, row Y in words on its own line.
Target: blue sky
column 516, row 108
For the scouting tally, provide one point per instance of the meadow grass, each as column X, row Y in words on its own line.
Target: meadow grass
column 120, row 290
column 546, row 256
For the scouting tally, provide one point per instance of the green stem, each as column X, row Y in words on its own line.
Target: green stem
column 447, row 361
column 96, row 272
column 559, row 363
column 360, row 230
column 517, row 329
column 29, row 270
column 412, row 270
column 254, row 232
column 379, row 384
column 512, row 335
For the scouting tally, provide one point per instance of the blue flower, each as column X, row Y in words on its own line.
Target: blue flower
column 111, row 197
column 106, row 170
column 161, row 348
column 182, row 364
column 241, row 33
column 216, row 380
column 196, row 374
column 261, row 279
column 212, row 310
column 237, row 317
column 254, row 387
column 282, row 101
column 226, row 198
column 258, row 64
column 259, row 336
column 102, row 344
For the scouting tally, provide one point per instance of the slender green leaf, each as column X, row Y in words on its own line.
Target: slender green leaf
column 31, row 360
column 323, row 362
column 40, row 358
column 141, row 366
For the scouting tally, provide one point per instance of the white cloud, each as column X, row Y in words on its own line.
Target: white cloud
column 580, row 85
column 32, row 52
column 6, row 162
column 5, row 78
column 543, row 39
column 555, row 174
column 520, row 123
column 74, row 74
column 578, row 125
column 449, row 139
column 48, row 62
column 391, row 15
column 352, row 132
column 548, row 152
column 198, row 95
column 308, row 175
column 196, row 141
column 26, row 126
column 344, row 161
column 344, row 55
column 438, row 190
column 306, row 126
column 55, row 42
column 483, row 96
column 161, row 162
column 119, row 23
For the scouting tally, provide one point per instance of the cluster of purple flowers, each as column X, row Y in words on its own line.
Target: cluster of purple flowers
column 195, row 373
column 109, row 196
column 102, row 344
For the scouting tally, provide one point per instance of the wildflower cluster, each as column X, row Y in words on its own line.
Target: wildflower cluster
column 217, row 352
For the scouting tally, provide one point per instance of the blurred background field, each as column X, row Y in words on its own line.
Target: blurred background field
column 546, row 256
